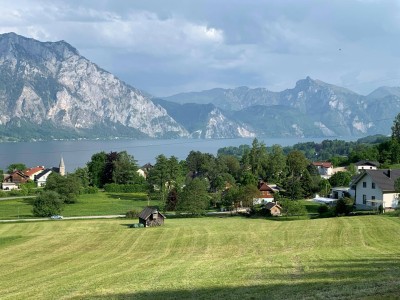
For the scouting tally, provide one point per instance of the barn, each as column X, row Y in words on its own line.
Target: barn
column 151, row 216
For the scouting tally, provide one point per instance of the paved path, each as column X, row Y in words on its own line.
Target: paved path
column 64, row 218
column 16, row 197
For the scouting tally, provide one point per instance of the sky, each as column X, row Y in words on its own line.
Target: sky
column 166, row 47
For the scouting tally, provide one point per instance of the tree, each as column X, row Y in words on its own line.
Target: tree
column 82, row 175
column 324, row 187
column 396, row 128
column 296, row 163
column 258, row 159
column 124, row 169
column 17, row 166
column 68, row 187
column 340, row 179
column 247, row 194
column 96, row 168
column 343, row 206
column 293, row 208
column 193, row 199
column 276, row 165
column 108, row 173
column 47, row 203
column 230, row 197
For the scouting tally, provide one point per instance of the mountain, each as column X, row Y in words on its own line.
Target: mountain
column 205, row 120
column 312, row 108
column 228, row 99
column 49, row 91
column 384, row 91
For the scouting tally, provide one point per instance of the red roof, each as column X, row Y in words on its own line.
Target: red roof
column 323, row 164
column 31, row 171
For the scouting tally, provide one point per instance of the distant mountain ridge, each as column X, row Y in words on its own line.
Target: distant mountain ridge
column 312, row 108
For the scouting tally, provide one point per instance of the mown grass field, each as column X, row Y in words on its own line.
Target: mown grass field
column 202, row 258
column 87, row 205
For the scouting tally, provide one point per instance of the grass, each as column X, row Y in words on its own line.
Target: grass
column 87, row 205
column 202, row 258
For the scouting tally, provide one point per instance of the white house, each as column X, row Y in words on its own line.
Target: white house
column 325, row 169
column 376, row 187
column 366, row 165
column 42, row 177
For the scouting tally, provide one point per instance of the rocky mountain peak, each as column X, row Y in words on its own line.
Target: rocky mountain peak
column 50, row 83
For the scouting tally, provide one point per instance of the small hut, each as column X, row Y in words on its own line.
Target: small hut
column 151, row 216
column 274, row 208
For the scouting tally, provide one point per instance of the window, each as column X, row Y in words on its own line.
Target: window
column 364, row 199
column 373, row 185
column 364, row 184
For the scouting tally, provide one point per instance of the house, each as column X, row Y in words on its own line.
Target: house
column 142, row 173
column 274, row 208
column 367, row 165
column 151, row 216
column 8, row 186
column 376, row 187
column 325, row 169
column 41, row 178
column 267, row 192
column 16, row 177
column 32, row 172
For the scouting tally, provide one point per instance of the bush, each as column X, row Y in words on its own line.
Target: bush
column 132, row 214
column 323, row 209
column 47, row 203
column 90, row 190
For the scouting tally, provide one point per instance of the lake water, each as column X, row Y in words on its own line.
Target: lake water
column 78, row 153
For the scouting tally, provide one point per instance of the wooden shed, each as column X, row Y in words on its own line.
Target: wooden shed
column 274, row 208
column 151, row 216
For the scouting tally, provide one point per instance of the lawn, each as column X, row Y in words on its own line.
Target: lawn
column 87, row 205
column 202, row 258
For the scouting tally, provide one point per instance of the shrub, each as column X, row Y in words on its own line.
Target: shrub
column 323, row 209
column 125, row 188
column 90, row 190
column 132, row 214
column 47, row 203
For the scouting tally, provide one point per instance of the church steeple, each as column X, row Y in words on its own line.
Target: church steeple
column 61, row 167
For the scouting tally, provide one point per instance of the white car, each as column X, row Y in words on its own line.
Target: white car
column 56, row 217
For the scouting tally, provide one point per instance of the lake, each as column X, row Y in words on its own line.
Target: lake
column 78, row 153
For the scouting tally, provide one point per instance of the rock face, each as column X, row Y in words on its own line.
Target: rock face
column 205, row 120
column 50, row 87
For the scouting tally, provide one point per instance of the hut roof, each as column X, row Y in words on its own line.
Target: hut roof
column 270, row 205
column 147, row 211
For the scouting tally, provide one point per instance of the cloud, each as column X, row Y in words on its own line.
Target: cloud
column 163, row 46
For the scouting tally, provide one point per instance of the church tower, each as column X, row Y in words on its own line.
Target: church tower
column 61, row 167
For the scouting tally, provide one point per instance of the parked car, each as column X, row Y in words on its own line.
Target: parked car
column 56, row 217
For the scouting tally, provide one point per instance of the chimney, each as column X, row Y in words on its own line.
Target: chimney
column 389, row 173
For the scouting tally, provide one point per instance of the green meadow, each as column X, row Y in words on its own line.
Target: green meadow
column 202, row 258
column 87, row 205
